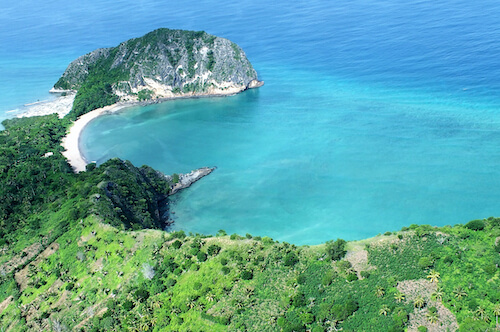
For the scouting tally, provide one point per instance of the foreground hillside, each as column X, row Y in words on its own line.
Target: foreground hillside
column 73, row 256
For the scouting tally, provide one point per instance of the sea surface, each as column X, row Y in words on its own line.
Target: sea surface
column 374, row 114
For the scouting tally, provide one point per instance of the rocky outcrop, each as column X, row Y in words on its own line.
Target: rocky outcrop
column 166, row 63
column 183, row 181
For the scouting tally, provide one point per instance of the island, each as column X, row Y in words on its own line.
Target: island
column 92, row 250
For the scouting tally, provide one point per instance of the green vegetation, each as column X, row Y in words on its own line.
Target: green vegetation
column 144, row 94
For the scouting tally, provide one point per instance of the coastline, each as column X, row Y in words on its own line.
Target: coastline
column 71, row 142
column 61, row 105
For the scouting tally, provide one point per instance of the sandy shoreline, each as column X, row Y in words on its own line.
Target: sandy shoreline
column 71, row 142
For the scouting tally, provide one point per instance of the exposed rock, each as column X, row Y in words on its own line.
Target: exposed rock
column 186, row 180
column 166, row 63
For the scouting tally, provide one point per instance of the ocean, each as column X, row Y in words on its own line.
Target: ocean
column 374, row 114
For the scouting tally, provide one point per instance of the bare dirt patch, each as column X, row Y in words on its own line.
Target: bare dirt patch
column 359, row 261
column 5, row 303
column 21, row 258
column 22, row 278
column 424, row 288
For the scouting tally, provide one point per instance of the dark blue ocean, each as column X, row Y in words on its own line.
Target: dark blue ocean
column 375, row 114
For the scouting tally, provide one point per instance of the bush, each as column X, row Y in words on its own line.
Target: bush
column 223, row 261
column 425, row 263
column 336, row 250
column 290, row 259
column 422, row 328
column 246, row 275
column 225, row 270
column 170, row 282
column 352, row 277
column 475, row 225
column 213, row 249
column 201, row 256
column 177, row 244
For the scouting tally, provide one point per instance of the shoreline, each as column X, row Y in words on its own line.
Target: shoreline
column 71, row 142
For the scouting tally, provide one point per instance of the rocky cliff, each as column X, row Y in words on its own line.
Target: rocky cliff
column 162, row 64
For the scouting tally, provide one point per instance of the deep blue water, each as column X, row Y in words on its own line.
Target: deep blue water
column 375, row 114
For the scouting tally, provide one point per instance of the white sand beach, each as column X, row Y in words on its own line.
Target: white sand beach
column 71, row 142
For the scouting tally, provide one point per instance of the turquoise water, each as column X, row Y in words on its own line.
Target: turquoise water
column 374, row 115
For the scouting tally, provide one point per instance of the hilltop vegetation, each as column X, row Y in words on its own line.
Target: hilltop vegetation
column 162, row 63
column 73, row 256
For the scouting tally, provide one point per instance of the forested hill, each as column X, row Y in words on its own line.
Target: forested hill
column 162, row 64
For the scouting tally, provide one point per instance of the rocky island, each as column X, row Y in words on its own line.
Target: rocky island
column 160, row 65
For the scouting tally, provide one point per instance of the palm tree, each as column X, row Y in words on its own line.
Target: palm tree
column 459, row 293
column 437, row 295
column 384, row 310
column 419, row 302
column 432, row 317
column 496, row 312
column 480, row 312
column 379, row 292
column 433, row 276
column 249, row 291
column 399, row 297
column 191, row 303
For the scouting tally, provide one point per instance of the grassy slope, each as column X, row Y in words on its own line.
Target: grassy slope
column 96, row 278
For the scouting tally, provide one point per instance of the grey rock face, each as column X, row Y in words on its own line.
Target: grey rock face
column 167, row 63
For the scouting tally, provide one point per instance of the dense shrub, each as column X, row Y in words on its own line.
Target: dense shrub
column 475, row 225
column 336, row 250
column 246, row 275
column 290, row 259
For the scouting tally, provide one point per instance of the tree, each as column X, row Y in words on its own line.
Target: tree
column 384, row 310
column 475, row 225
column 419, row 302
column 437, row 295
column 433, row 276
column 480, row 312
column 432, row 317
column 336, row 250
column 459, row 293
column 399, row 297
column 496, row 312
column 379, row 291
